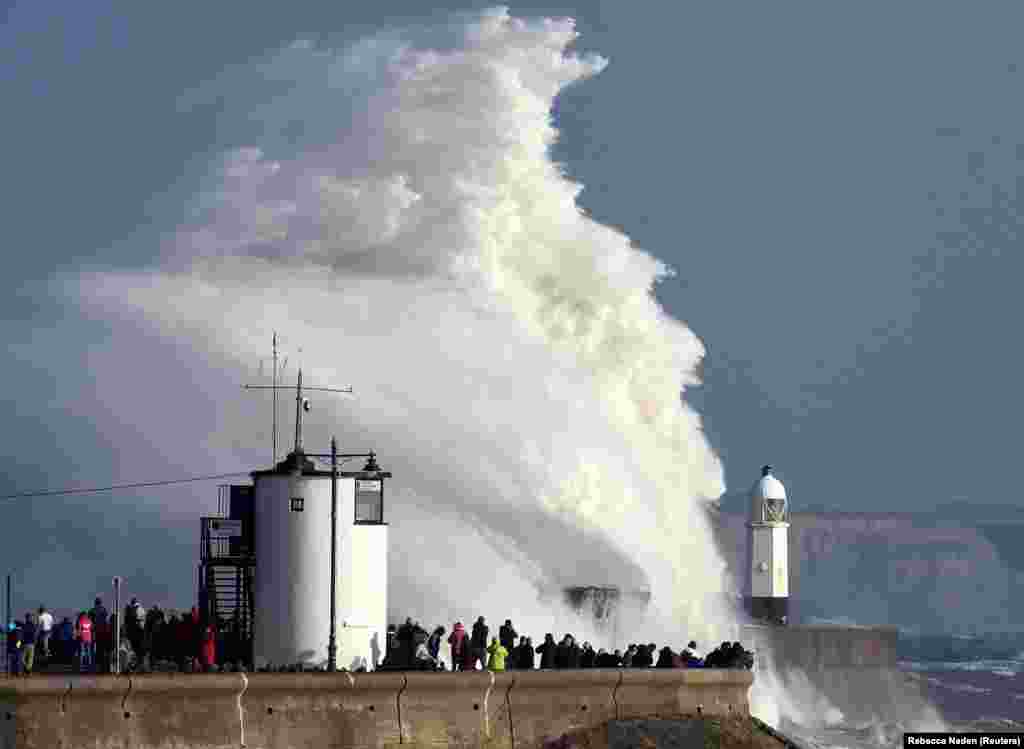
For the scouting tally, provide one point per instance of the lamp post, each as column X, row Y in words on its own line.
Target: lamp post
column 7, row 622
column 332, row 645
column 117, row 625
column 370, row 471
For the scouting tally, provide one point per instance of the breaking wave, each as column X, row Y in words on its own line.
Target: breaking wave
column 510, row 362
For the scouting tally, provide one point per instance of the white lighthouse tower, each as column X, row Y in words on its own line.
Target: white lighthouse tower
column 767, row 587
column 292, row 519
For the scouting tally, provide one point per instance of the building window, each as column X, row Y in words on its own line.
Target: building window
column 369, row 501
column 298, row 504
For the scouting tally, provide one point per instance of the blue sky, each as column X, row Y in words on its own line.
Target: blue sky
column 836, row 187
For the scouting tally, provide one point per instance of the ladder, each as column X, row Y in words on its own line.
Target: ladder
column 226, row 583
column 230, row 601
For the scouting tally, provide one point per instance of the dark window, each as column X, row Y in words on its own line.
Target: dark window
column 298, row 504
column 369, row 501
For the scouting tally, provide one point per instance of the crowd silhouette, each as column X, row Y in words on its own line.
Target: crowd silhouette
column 149, row 640
column 410, row 647
column 155, row 640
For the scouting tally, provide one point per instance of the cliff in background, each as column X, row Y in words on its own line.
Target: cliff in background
column 914, row 571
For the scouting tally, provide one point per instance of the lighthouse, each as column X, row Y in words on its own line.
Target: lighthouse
column 767, row 586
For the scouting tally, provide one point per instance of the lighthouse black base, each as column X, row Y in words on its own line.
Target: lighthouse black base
column 772, row 610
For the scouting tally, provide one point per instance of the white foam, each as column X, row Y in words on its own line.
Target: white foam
column 511, row 363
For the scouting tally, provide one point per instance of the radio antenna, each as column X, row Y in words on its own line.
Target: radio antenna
column 301, row 404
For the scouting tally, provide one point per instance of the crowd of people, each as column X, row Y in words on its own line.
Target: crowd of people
column 189, row 642
column 411, row 647
column 149, row 640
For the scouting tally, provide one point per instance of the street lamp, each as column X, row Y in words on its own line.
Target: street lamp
column 7, row 623
column 332, row 644
column 117, row 625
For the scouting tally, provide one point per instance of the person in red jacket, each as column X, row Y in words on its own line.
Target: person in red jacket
column 457, row 640
column 86, row 643
column 208, row 651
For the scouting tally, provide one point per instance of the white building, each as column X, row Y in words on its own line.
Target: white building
column 767, row 586
column 292, row 540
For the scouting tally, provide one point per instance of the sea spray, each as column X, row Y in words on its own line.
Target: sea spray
column 510, row 362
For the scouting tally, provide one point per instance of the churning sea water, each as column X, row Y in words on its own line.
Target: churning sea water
column 969, row 694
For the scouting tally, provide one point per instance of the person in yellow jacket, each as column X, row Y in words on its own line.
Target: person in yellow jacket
column 498, row 654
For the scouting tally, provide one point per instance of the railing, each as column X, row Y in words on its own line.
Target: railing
column 223, row 499
column 217, row 545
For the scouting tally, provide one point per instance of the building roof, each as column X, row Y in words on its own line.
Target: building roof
column 301, row 464
column 768, row 487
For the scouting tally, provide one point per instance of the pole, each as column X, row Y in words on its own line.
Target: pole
column 298, row 414
column 7, row 621
column 332, row 645
column 117, row 629
column 275, row 399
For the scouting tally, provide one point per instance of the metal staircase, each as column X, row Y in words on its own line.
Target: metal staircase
column 227, row 579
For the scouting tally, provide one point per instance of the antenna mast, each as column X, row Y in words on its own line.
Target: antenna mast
column 301, row 403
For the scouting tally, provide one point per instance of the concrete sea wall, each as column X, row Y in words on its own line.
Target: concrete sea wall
column 853, row 668
column 514, row 710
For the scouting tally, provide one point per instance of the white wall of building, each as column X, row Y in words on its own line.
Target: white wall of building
column 362, row 635
column 293, row 575
column 293, row 566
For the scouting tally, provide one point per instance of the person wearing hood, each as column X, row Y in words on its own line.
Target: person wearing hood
column 434, row 643
column 562, row 653
column 406, row 645
column 524, row 655
column 665, row 656
column 498, row 653
column 478, row 642
column 457, row 642
column 507, row 637
column 572, row 655
column 469, row 656
column 547, row 651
